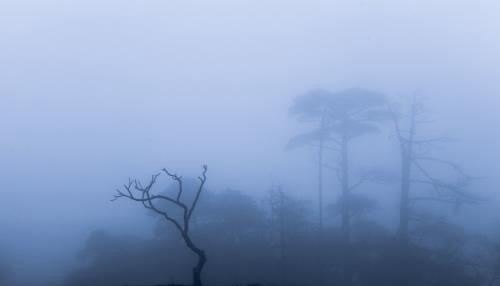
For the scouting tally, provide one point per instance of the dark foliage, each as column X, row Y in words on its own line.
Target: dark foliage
column 239, row 234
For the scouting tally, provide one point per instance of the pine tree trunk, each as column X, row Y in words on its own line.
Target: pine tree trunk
column 320, row 185
column 406, row 162
column 346, row 212
column 406, row 146
column 404, row 212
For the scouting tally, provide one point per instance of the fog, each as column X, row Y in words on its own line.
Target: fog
column 94, row 92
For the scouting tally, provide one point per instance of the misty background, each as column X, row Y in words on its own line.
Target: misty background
column 92, row 92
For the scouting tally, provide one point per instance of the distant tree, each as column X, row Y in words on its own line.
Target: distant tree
column 288, row 219
column 312, row 107
column 341, row 117
column 232, row 213
column 117, row 259
column 234, row 225
column 417, row 163
column 353, row 113
column 135, row 191
column 424, row 177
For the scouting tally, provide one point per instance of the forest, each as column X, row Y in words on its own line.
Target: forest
column 249, row 143
column 283, row 240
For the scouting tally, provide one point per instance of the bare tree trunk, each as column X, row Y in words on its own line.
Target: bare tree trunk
column 202, row 259
column 406, row 146
column 321, row 148
column 198, row 268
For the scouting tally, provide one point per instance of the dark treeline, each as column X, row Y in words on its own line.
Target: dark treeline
column 228, row 237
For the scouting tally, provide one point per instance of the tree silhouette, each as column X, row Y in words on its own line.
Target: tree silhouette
column 311, row 106
column 135, row 191
column 342, row 116
column 416, row 164
column 418, row 183
column 339, row 117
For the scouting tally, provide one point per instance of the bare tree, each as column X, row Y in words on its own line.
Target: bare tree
column 416, row 165
column 134, row 190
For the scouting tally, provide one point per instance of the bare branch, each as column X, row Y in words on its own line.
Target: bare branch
column 433, row 140
column 163, row 213
column 178, row 179
column 433, row 199
column 456, row 189
column 203, row 179
column 361, row 180
column 452, row 165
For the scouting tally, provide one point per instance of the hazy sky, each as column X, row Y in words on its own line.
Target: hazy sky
column 94, row 91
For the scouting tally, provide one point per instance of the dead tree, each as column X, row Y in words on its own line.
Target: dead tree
column 136, row 191
column 416, row 163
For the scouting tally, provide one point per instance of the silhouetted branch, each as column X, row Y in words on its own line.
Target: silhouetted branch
column 179, row 182
column 147, row 199
column 203, row 179
column 361, row 180
column 457, row 168
column 433, row 199
column 432, row 140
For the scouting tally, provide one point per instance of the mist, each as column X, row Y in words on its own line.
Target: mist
column 93, row 93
